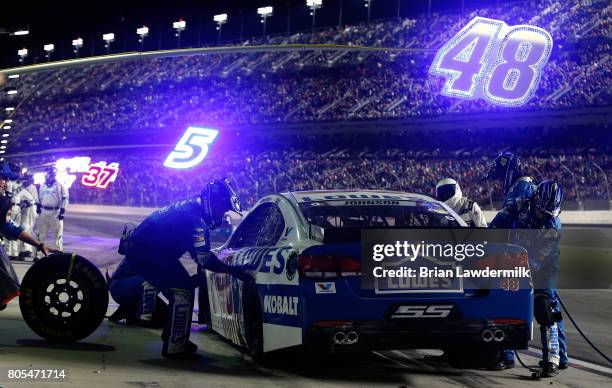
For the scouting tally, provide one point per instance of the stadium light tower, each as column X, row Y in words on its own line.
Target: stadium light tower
column 23, row 53
column 265, row 13
column 314, row 5
column 77, row 44
column 220, row 19
column 108, row 39
column 48, row 48
column 17, row 32
column 179, row 26
column 142, row 33
column 368, row 5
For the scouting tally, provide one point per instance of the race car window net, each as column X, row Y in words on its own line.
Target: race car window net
column 423, row 215
column 262, row 227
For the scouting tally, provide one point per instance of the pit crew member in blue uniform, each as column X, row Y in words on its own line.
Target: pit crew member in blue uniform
column 155, row 246
column 540, row 234
column 518, row 192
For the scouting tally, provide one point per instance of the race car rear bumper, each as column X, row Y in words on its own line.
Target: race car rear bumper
column 340, row 336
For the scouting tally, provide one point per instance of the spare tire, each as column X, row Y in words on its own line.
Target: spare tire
column 63, row 298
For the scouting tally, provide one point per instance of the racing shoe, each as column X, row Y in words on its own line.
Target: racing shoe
column 188, row 354
column 549, row 370
column 562, row 365
column 498, row 366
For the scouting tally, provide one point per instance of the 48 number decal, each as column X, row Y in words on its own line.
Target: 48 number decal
column 491, row 60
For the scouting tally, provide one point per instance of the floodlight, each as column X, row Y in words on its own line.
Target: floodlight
column 220, row 19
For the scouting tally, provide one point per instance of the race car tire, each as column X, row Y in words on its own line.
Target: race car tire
column 476, row 357
column 253, row 321
column 64, row 297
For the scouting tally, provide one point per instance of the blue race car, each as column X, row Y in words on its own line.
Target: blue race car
column 302, row 252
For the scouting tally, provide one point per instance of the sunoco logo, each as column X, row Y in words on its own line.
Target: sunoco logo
column 276, row 304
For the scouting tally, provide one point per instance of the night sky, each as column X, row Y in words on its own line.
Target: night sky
column 59, row 22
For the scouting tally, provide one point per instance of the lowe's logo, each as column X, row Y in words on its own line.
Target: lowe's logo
column 276, row 304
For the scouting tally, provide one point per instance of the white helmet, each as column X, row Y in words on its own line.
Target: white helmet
column 449, row 192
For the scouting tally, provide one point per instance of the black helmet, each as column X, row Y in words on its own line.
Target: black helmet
column 548, row 198
column 218, row 197
column 507, row 168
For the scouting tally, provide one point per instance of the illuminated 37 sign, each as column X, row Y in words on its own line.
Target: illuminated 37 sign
column 491, row 60
column 192, row 148
column 98, row 174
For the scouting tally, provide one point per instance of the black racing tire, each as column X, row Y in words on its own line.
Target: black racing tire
column 253, row 322
column 60, row 309
column 475, row 357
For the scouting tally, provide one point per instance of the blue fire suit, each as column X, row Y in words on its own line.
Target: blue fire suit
column 544, row 263
column 154, row 249
column 543, row 259
column 514, row 208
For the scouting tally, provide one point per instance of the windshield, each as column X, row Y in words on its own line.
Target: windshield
column 347, row 214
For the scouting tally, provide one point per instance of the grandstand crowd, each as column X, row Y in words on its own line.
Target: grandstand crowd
column 285, row 87
column 412, row 162
column 160, row 95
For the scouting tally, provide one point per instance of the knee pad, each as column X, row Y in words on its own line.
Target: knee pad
column 542, row 309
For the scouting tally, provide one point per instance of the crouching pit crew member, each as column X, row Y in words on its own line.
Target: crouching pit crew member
column 449, row 192
column 155, row 246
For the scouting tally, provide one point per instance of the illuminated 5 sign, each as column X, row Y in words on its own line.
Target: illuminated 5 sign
column 192, row 148
column 100, row 175
column 491, row 60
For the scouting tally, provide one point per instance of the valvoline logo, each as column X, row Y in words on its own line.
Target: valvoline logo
column 325, row 288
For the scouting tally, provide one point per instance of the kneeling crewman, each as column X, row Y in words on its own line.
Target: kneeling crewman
column 155, row 246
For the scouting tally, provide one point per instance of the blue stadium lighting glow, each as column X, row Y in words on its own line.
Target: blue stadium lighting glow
column 192, row 148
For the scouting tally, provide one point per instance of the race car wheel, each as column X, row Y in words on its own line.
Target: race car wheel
column 63, row 298
column 253, row 321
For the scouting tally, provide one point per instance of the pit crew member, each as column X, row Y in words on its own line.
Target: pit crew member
column 540, row 234
column 518, row 191
column 21, row 199
column 449, row 192
column 155, row 246
column 28, row 213
column 53, row 198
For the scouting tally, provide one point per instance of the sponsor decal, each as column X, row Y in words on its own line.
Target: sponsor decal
column 325, row 288
column 283, row 305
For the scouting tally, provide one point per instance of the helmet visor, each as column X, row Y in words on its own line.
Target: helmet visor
column 445, row 192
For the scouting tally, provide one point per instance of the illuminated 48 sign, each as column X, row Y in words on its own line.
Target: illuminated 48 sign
column 491, row 60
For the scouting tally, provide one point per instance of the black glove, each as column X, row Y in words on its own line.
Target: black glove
column 61, row 214
column 25, row 204
column 38, row 208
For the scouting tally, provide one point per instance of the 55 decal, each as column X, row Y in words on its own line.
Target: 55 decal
column 192, row 148
column 491, row 60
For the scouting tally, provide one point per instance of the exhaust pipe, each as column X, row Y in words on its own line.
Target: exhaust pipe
column 339, row 338
column 499, row 335
column 487, row 335
column 342, row 338
column 352, row 337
